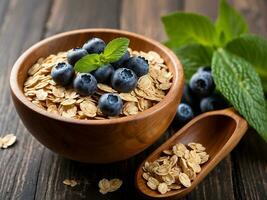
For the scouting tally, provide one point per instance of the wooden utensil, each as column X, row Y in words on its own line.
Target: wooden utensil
column 218, row 131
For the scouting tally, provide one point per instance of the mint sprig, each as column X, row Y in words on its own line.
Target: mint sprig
column 237, row 58
column 238, row 81
column 114, row 50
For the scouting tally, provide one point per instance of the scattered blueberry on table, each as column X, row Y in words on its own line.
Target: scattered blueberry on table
column 184, row 113
column 199, row 96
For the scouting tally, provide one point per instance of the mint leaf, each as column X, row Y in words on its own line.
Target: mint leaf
column 237, row 80
column 192, row 57
column 115, row 49
column 230, row 24
column 88, row 63
column 184, row 28
column 253, row 49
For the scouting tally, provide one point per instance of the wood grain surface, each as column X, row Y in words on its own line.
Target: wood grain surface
column 30, row 171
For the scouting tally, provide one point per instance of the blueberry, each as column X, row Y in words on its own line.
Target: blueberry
column 201, row 83
column 85, row 84
column 188, row 96
column 124, row 80
column 138, row 64
column 212, row 103
column 62, row 73
column 94, row 45
column 104, row 73
column 121, row 61
column 110, row 104
column 76, row 54
column 204, row 69
column 184, row 113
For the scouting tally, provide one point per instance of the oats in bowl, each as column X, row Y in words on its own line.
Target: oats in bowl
column 40, row 89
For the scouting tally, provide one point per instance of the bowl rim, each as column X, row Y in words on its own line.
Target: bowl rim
column 178, row 79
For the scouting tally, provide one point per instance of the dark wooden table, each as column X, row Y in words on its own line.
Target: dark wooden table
column 30, row 171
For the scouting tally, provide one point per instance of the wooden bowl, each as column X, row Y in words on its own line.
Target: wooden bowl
column 95, row 141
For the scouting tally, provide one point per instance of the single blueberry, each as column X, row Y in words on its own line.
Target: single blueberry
column 110, row 104
column 103, row 74
column 62, row 73
column 184, row 113
column 212, row 103
column 204, row 69
column 85, row 84
column 138, row 64
column 121, row 61
column 202, row 84
column 94, row 45
column 188, row 96
column 124, row 80
column 75, row 54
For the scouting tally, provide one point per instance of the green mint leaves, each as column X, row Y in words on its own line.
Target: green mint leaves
column 229, row 24
column 193, row 56
column 238, row 81
column 88, row 63
column 114, row 50
column 184, row 28
column 253, row 49
column 238, row 59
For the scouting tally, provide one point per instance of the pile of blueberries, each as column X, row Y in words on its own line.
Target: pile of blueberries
column 199, row 96
column 121, row 75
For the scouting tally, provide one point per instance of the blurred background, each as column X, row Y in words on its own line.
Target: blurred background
column 30, row 171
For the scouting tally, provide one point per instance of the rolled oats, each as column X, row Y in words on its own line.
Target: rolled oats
column 7, row 141
column 177, row 168
column 151, row 89
column 184, row 180
column 70, row 182
column 106, row 185
column 163, row 188
column 152, row 183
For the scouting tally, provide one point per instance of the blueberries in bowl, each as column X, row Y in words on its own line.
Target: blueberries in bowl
column 62, row 73
column 85, row 84
column 124, row 80
column 103, row 73
column 138, row 64
column 94, row 45
column 110, row 104
column 121, row 61
column 76, row 54
column 184, row 113
column 202, row 84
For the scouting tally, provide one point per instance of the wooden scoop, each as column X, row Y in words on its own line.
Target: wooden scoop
column 218, row 131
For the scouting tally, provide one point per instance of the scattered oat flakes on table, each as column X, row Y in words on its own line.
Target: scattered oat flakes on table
column 106, row 185
column 7, row 141
column 70, row 182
